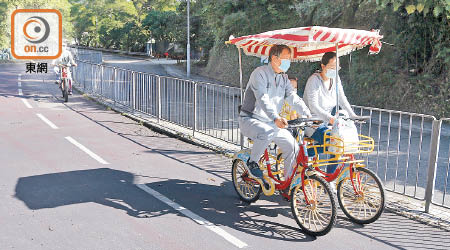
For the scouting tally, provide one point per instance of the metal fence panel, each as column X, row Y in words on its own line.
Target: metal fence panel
column 402, row 148
column 217, row 111
column 442, row 183
column 87, row 55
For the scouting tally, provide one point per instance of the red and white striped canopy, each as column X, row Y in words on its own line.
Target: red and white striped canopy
column 310, row 43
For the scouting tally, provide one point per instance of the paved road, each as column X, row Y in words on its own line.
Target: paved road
column 79, row 176
column 163, row 67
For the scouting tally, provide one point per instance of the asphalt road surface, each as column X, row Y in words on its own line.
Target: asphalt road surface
column 79, row 176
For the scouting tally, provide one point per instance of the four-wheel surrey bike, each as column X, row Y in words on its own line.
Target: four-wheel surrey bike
column 359, row 191
column 312, row 202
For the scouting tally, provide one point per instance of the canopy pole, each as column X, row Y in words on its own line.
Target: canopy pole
column 240, row 75
column 242, row 91
column 336, row 82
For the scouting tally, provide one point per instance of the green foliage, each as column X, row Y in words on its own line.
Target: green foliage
column 437, row 7
column 160, row 24
column 411, row 75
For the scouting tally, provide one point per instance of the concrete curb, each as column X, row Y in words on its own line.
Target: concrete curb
column 158, row 128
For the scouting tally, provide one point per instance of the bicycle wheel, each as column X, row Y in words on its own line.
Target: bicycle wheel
column 248, row 190
column 319, row 216
column 61, row 87
column 367, row 203
column 65, row 91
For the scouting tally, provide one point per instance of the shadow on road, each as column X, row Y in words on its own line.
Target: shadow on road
column 114, row 188
column 216, row 203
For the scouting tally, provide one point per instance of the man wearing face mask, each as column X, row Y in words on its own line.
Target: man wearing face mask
column 267, row 90
column 320, row 97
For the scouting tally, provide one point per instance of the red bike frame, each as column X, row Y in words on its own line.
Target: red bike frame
column 302, row 159
column 64, row 75
column 332, row 176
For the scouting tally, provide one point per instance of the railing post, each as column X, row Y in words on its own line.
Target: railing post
column 101, row 81
column 113, row 89
column 432, row 163
column 194, row 127
column 92, row 79
column 159, row 98
column 133, row 81
column 84, row 77
column 241, row 135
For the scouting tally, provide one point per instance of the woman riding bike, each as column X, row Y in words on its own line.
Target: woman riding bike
column 320, row 97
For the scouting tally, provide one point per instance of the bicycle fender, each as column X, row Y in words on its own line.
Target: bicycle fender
column 345, row 174
column 242, row 155
column 298, row 179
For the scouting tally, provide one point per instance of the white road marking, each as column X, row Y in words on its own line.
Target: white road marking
column 25, row 100
column 51, row 124
column 19, row 83
column 27, row 104
column 19, row 77
column 201, row 221
column 86, row 150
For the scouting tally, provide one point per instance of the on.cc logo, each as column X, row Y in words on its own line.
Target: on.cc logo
column 36, row 29
column 36, row 34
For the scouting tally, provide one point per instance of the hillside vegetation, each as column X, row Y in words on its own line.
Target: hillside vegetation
column 410, row 74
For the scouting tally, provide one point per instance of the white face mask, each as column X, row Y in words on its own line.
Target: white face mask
column 331, row 73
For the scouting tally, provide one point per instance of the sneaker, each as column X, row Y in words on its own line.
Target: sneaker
column 70, row 92
column 254, row 169
column 56, row 82
column 256, row 172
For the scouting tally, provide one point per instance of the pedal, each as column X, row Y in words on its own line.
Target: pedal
column 271, row 190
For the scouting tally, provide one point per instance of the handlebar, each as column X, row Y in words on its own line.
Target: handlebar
column 304, row 122
column 360, row 119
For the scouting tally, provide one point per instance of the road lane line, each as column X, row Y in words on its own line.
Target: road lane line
column 201, row 221
column 51, row 124
column 19, row 83
column 86, row 150
column 25, row 100
column 26, row 103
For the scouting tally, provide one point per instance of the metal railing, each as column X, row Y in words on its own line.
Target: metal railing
column 87, row 55
column 206, row 108
column 406, row 153
column 440, row 175
column 411, row 156
column 4, row 56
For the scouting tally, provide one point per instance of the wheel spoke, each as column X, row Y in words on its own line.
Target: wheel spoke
column 304, row 216
column 320, row 218
column 309, row 218
column 314, row 220
column 323, row 194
